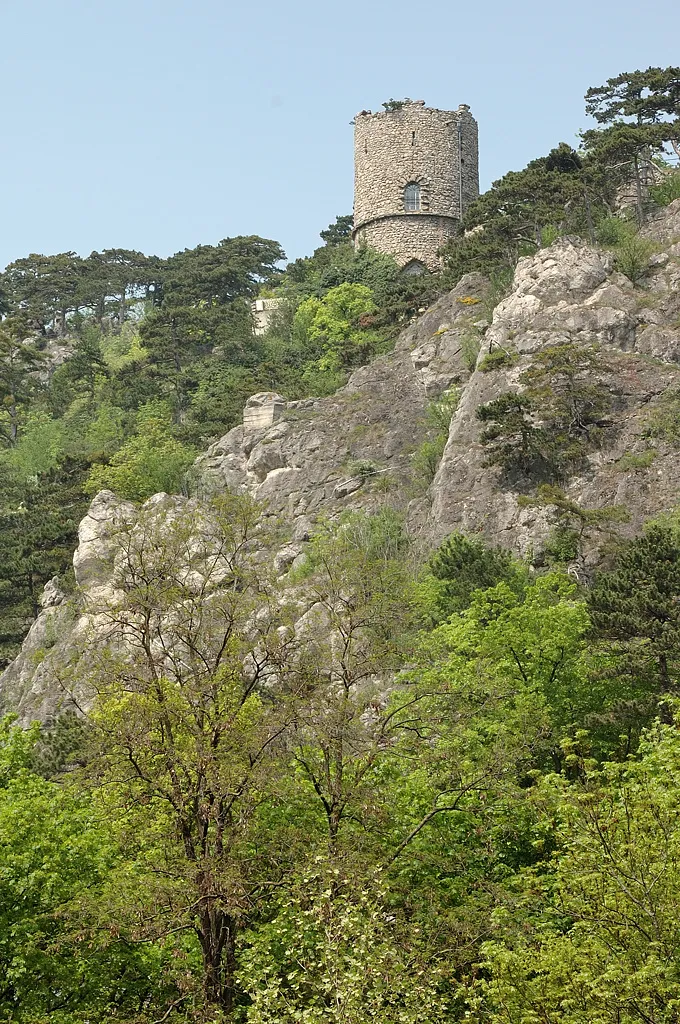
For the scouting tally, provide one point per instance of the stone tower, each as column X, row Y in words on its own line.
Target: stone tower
column 415, row 173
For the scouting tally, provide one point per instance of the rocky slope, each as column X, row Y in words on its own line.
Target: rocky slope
column 358, row 449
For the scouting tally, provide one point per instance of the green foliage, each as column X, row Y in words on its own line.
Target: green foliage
column 38, row 530
column 340, row 325
column 54, row 852
column 152, row 460
column 562, row 545
column 340, row 231
column 575, row 526
column 599, row 938
column 668, row 191
column 523, row 211
column 334, row 953
column 545, row 429
column 463, row 565
column 632, row 258
column 512, row 439
column 392, row 104
column 428, row 455
column 470, row 345
column 612, row 231
column 498, row 359
column 636, row 460
column 663, row 419
column 634, row 607
column 316, row 801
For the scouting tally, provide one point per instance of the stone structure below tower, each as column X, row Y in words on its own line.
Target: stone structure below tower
column 415, row 174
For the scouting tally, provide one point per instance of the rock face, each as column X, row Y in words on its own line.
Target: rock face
column 32, row 686
column 570, row 293
column 355, row 449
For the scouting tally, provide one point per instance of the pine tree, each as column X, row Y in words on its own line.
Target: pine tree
column 637, row 606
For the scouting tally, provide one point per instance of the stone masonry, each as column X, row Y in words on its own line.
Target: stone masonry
column 263, row 312
column 414, row 145
column 263, row 409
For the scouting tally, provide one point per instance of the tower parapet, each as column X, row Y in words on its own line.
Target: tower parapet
column 415, row 173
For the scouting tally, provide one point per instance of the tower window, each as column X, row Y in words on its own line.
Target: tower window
column 414, row 268
column 412, row 197
column 413, row 138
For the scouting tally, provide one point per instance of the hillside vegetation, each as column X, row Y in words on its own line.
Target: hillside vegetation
column 309, row 771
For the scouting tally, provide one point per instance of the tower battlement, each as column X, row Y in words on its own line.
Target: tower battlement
column 415, row 173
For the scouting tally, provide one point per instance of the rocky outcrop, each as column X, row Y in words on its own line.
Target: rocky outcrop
column 570, row 293
column 35, row 684
column 355, row 450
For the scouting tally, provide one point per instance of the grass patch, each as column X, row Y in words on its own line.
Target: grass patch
column 636, row 460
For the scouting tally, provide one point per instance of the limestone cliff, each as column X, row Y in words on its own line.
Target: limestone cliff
column 355, row 449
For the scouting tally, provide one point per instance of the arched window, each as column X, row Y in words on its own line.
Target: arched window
column 412, row 197
column 414, row 268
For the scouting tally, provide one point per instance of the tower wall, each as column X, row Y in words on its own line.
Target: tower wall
column 419, row 145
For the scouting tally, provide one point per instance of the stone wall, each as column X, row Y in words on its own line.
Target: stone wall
column 413, row 144
column 264, row 312
column 409, row 237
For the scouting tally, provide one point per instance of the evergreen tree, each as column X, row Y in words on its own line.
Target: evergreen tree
column 463, row 565
column 641, row 111
column 636, row 607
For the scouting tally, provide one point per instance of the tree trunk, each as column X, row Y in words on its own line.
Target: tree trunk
column 217, row 935
column 589, row 216
column 638, row 192
column 122, row 308
column 13, row 413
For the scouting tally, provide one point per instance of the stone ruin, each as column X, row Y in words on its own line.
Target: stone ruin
column 262, row 410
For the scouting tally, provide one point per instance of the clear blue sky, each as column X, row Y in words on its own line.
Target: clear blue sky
column 159, row 124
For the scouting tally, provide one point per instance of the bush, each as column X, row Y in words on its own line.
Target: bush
column 363, row 468
column 152, row 460
column 497, row 359
column 663, row 419
column 438, row 418
column 614, row 230
column 470, row 344
column 427, row 457
column 562, row 545
column 632, row 258
column 632, row 460
column 668, row 191
column 512, row 439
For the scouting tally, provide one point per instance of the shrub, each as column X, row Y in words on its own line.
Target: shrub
column 497, row 359
column 549, row 234
column 562, row 545
column 363, row 468
column 633, row 460
column 427, row 457
column 438, row 418
column 512, row 439
column 470, row 344
column 152, row 460
column 614, row 230
column 668, row 191
column 663, row 419
column 440, row 411
column 632, row 258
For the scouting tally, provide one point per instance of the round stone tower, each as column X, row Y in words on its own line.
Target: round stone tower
column 415, row 173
